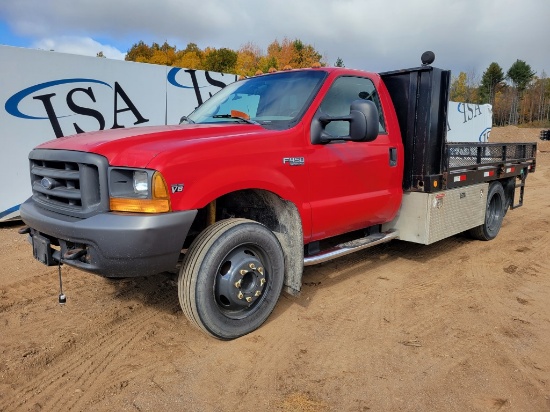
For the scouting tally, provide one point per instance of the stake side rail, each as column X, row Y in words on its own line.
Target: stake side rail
column 470, row 163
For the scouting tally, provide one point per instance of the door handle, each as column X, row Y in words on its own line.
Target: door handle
column 393, row 156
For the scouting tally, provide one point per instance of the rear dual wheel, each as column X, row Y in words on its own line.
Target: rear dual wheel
column 494, row 214
column 231, row 278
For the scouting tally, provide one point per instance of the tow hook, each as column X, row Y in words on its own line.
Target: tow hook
column 73, row 254
column 24, row 230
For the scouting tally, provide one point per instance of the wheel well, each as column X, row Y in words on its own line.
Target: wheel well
column 279, row 215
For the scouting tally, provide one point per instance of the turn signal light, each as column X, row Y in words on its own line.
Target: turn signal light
column 160, row 188
column 140, row 205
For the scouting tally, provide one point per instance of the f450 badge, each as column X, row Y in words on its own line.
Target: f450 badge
column 294, row 161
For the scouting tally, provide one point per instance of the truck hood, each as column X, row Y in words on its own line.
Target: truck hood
column 136, row 147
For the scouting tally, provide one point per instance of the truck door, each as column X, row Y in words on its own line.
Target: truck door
column 353, row 184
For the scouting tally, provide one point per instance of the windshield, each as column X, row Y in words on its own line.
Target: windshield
column 275, row 101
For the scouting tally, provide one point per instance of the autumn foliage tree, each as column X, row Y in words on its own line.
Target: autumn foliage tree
column 293, row 53
column 462, row 89
column 246, row 61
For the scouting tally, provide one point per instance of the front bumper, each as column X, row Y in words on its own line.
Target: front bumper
column 116, row 244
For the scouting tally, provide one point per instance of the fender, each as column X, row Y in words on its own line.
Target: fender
column 202, row 185
column 201, row 189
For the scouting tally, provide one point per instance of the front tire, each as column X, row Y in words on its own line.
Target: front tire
column 231, row 278
column 494, row 214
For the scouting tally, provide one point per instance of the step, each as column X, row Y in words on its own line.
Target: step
column 350, row 247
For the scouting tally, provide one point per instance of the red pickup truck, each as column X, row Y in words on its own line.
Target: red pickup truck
column 272, row 173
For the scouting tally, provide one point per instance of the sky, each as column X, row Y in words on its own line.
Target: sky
column 374, row 35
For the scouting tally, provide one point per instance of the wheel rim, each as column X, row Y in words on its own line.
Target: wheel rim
column 494, row 212
column 241, row 281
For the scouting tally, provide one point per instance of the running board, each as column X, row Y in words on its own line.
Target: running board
column 350, row 247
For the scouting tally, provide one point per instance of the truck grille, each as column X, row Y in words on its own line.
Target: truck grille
column 70, row 183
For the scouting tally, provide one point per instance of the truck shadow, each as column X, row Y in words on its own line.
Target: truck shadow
column 161, row 291
column 158, row 291
column 366, row 263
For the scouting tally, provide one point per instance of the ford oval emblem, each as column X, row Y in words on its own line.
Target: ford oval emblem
column 47, row 183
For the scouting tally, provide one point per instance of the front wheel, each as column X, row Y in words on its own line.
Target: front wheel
column 494, row 214
column 231, row 278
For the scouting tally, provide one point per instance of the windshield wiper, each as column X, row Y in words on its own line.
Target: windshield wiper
column 236, row 114
column 229, row 116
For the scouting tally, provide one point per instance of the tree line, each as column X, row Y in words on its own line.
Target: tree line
column 518, row 97
column 246, row 61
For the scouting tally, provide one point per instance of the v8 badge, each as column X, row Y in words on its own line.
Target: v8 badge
column 177, row 188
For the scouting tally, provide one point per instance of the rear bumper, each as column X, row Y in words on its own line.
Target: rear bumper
column 117, row 244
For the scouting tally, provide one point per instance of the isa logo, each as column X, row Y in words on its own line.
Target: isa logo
column 85, row 101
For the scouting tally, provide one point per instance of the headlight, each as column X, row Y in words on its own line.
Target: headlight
column 138, row 190
column 141, row 182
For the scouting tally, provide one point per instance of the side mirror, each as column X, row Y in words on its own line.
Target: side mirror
column 369, row 131
column 363, row 119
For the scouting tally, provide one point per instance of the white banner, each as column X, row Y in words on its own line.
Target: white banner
column 467, row 122
column 47, row 95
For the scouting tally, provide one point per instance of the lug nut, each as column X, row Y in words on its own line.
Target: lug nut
column 252, row 266
column 258, row 293
column 243, row 272
column 238, row 283
column 261, row 270
column 240, row 295
column 262, row 281
column 249, row 299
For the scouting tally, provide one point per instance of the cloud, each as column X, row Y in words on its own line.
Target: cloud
column 375, row 35
column 78, row 45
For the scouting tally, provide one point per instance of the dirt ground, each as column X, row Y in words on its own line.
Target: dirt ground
column 460, row 325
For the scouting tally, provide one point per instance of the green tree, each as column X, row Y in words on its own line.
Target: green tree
column 222, row 60
column 339, row 63
column 491, row 79
column 520, row 74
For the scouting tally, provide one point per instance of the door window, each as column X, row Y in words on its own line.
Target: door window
column 342, row 93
